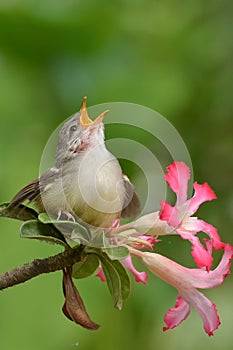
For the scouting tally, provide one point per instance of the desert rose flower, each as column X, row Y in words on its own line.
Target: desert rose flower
column 181, row 218
column 187, row 281
column 178, row 219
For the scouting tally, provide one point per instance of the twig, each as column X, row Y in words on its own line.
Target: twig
column 39, row 266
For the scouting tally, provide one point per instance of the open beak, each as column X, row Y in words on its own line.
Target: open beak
column 84, row 118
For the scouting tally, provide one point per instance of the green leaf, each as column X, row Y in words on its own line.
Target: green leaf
column 86, row 267
column 117, row 253
column 21, row 212
column 100, row 240
column 125, row 281
column 71, row 230
column 44, row 218
column 36, row 230
column 117, row 279
column 113, row 280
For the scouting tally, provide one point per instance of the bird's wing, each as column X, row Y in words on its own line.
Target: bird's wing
column 132, row 202
column 32, row 191
column 29, row 192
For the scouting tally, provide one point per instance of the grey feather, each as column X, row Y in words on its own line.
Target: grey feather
column 132, row 203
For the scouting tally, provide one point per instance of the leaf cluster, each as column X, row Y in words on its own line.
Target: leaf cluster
column 96, row 251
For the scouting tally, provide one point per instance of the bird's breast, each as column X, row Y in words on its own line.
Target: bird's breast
column 90, row 187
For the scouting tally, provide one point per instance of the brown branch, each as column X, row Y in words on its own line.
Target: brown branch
column 39, row 266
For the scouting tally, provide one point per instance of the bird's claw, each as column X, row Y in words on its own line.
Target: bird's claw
column 65, row 213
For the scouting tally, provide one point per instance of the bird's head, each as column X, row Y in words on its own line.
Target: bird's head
column 79, row 134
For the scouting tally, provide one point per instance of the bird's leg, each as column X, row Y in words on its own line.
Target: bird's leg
column 66, row 213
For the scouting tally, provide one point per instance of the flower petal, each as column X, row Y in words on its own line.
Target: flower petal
column 139, row 276
column 203, row 279
column 201, row 255
column 211, row 231
column 177, row 177
column 203, row 193
column 205, row 308
column 176, row 315
column 186, row 280
column 169, row 213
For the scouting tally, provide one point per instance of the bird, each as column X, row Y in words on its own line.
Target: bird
column 86, row 182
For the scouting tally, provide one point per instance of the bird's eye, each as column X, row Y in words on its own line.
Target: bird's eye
column 73, row 128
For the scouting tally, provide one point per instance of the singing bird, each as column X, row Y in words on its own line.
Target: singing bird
column 86, row 183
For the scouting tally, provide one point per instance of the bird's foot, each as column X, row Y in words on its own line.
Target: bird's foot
column 65, row 213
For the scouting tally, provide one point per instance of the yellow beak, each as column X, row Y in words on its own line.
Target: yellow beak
column 84, row 118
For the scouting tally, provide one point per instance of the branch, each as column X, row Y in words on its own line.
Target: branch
column 39, row 266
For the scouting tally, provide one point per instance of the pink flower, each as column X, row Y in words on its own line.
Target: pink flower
column 144, row 241
column 139, row 276
column 180, row 216
column 100, row 274
column 186, row 281
column 127, row 262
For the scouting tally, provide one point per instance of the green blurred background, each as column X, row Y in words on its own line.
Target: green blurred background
column 172, row 56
